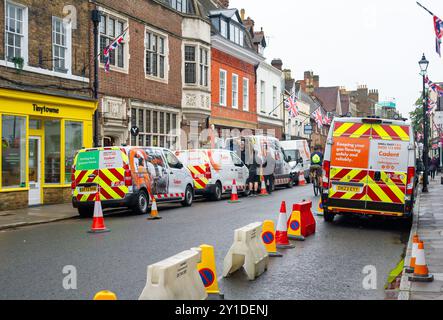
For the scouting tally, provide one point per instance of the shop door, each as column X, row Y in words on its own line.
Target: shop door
column 35, row 178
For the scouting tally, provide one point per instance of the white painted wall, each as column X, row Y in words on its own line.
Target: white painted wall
column 272, row 77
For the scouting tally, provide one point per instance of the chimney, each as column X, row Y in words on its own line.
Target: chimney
column 224, row 4
column 242, row 14
column 277, row 63
column 288, row 74
column 249, row 25
column 316, row 82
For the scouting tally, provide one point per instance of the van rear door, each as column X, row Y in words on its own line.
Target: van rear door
column 100, row 169
column 388, row 167
column 349, row 165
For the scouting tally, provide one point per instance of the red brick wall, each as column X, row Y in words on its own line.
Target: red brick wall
column 221, row 60
column 134, row 85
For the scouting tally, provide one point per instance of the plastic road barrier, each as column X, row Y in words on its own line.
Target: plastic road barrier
column 268, row 238
column 307, row 220
column 175, row 278
column 207, row 269
column 248, row 252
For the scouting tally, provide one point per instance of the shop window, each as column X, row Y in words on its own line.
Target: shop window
column 13, row 152
column 52, row 152
column 73, row 143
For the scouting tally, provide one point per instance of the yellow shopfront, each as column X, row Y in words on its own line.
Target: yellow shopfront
column 40, row 136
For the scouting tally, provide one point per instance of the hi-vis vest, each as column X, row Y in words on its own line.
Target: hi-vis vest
column 316, row 159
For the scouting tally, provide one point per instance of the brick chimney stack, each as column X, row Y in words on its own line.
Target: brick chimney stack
column 249, row 25
column 224, row 3
column 277, row 63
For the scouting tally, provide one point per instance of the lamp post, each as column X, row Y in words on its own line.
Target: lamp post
column 424, row 68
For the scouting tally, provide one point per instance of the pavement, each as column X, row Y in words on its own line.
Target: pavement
column 328, row 265
column 36, row 215
column 428, row 224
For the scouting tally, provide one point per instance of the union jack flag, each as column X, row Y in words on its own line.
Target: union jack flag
column 291, row 105
column 318, row 117
column 107, row 51
column 432, row 106
column 327, row 119
column 434, row 87
column 438, row 27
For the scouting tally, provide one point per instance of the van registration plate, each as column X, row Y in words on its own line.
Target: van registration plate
column 339, row 188
column 87, row 190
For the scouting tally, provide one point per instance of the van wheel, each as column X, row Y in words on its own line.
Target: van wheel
column 291, row 182
column 141, row 203
column 85, row 212
column 189, row 197
column 217, row 195
column 328, row 216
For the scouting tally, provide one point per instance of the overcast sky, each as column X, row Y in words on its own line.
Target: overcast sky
column 352, row 42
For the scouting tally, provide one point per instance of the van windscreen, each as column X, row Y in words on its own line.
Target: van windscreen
column 99, row 159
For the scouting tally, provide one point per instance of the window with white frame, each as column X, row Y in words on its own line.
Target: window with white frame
column 236, row 35
column 61, row 46
column 245, row 94
column 204, row 67
column 224, row 28
column 274, row 100
column 235, row 91
column 157, row 128
column 262, row 96
column 156, row 55
column 190, row 65
column 179, row 5
column 110, row 28
column 15, row 31
column 223, row 86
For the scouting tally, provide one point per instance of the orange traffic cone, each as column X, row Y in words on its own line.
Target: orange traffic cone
column 154, row 212
column 415, row 243
column 263, row 191
column 98, row 222
column 301, row 179
column 281, row 235
column 421, row 272
column 234, row 193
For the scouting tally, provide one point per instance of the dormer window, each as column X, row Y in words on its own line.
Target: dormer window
column 236, row 34
column 229, row 24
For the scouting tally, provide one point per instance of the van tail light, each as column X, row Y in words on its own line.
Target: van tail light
column 326, row 174
column 73, row 184
column 208, row 173
column 410, row 182
column 128, row 177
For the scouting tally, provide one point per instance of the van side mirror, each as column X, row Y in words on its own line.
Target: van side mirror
column 289, row 159
column 180, row 165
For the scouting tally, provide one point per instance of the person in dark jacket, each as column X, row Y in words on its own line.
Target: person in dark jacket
column 433, row 167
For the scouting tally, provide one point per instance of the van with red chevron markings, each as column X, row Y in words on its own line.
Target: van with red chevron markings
column 129, row 177
column 369, row 168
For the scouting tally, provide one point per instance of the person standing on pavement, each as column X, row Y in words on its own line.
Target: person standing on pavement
column 268, row 166
column 253, row 172
column 433, row 167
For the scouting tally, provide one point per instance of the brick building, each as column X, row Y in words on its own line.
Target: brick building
column 365, row 100
column 233, row 73
column 46, row 108
column 159, row 77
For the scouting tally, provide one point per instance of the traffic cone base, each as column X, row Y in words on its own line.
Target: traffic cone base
column 154, row 212
column 297, row 238
column 419, row 278
column 98, row 221
column 275, row 254
column 285, row 246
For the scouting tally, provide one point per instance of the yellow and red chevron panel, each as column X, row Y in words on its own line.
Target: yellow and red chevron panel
column 198, row 174
column 390, row 132
column 376, row 131
column 391, row 188
column 344, row 175
column 352, row 130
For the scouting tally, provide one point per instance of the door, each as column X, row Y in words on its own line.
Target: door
column 241, row 172
column 35, row 178
column 177, row 183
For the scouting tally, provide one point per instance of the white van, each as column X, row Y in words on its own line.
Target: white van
column 369, row 168
column 299, row 154
column 214, row 171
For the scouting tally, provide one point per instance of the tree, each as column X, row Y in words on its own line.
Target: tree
column 417, row 118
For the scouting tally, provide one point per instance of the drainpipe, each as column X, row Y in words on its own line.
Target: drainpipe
column 96, row 20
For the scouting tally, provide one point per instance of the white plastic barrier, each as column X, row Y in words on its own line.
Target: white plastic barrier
column 248, row 251
column 176, row 278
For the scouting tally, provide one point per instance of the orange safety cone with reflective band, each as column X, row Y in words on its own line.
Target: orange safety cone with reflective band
column 98, row 221
column 415, row 243
column 421, row 272
column 154, row 212
column 301, row 179
column 263, row 191
column 281, row 236
column 234, row 193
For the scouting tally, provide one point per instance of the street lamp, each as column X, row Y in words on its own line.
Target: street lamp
column 424, row 68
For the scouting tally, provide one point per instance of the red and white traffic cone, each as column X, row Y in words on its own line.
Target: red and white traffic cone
column 281, row 235
column 301, row 179
column 98, row 221
column 415, row 243
column 421, row 271
column 234, row 193
column 263, row 190
column 154, row 211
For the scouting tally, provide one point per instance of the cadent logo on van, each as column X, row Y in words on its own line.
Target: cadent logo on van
column 44, row 109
